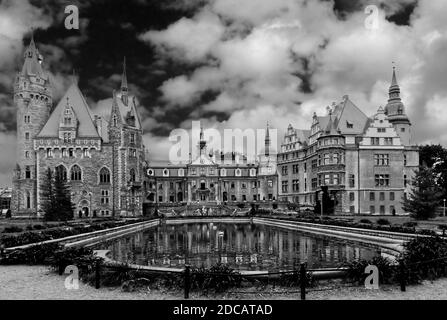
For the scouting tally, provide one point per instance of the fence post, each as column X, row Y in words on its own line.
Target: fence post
column 187, row 281
column 402, row 277
column 61, row 268
column 303, row 281
column 97, row 274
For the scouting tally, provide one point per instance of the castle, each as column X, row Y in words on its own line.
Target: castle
column 364, row 163
column 101, row 159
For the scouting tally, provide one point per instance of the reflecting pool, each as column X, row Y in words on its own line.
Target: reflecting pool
column 243, row 246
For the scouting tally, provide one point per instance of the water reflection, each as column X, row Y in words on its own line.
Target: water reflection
column 243, row 246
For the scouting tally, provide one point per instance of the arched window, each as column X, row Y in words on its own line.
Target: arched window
column 76, row 173
column 61, row 172
column 27, row 172
column 104, row 176
column 114, row 120
column 28, row 200
column 132, row 175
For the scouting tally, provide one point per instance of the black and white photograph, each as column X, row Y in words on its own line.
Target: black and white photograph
column 223, row 154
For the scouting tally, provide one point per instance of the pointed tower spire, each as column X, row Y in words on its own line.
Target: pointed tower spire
column 32, row 65
column 267, row 140
column 394, row 91
column 202, row 142
column 124, row 87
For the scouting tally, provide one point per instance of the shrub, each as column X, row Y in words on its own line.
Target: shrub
column 294, row 279
column 12, row 229
column 219, row 278
column 38, row 254
column 365, row 221
column 410, row 224
column 382, row 222
column 425, row 258
column 387, row 272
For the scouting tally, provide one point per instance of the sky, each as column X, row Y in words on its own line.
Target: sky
column 232, row 63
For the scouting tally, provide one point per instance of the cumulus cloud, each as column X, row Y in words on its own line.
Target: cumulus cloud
column 282, row 60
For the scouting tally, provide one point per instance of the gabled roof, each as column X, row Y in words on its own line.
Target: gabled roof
column 86, row 128
column 348, row 113
column 124, row 110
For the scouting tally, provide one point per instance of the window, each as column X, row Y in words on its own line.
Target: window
column 27, row 154
column 382, row 209
column 27, row 119
column 382, row 159
column 382, row 196
column 61, row 173
column 115, row 120
column 27, row 172
column 253, row 184
column 244, row 185
column 132, row 175
column 296, row 185
column 314, row 183
column 67, row 121
column 372, row 209
column 160, row 198
column 104, row 176
column 67, row 136
column 28, row 200
column 351, row 196
column 392, row 210
column 132, row 138
column 381, row 130
column 285, row 186
column 86, row 153
column 232, row 185
column 76, row 173
column 388, row 141
column 305, row 184
column 351, row 181
column 49, row 153
column 327, row 179
column 270, row 183
column 314, row 164
column 284, row 170
column 327, row 158
column 104, row 196
column 335, row 158
column 391, row 196
column 223, row 172
column 26, row 135
column 405, row 180
column 238, row 172
column 402, row 129
column 70, row 152
column 132, row 153
column 405, row 159
column 382, row 180
column 372, row 196
column 352, row 209
column 295, row 168
column 375, row 141
column 349, row 125
column 305, row 167
column 160, row 186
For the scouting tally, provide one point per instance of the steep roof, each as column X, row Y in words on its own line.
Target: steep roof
column 347, row 113
column 86, row 128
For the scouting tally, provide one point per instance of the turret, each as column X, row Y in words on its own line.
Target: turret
column 33, row 100
column 395, row 110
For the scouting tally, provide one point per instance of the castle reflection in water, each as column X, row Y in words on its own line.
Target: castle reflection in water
column 242, row 246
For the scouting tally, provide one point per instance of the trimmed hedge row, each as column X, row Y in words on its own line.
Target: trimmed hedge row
column 61, row 232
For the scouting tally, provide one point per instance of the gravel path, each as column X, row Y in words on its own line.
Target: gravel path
column 38, row 282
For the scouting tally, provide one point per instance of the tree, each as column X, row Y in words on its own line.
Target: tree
column 47, row 196
column 63, row 199
column 425, row 195
column 435, row 157
column 56, row 198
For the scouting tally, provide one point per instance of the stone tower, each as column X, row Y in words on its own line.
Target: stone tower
column 33, row 100
column 395, row 110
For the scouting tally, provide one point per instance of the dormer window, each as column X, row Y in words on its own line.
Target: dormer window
column 115, row 121
column 67, row 121
column 349, row 125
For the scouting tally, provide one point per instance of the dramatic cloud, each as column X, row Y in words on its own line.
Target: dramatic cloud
column 283, row 60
